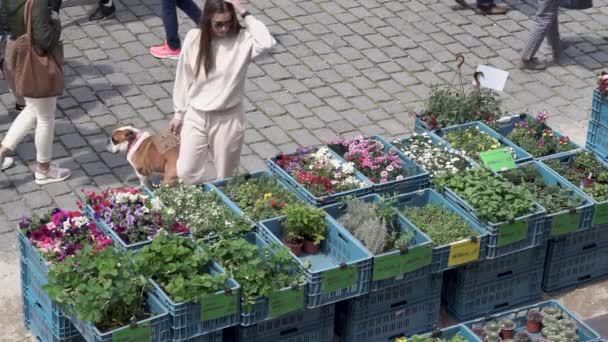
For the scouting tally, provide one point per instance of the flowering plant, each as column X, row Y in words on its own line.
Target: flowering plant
column 261, row 198
column 369, row 157
column 130, row 214
column 436, row 158
column 534, row 136
column 60, row 234
column 584, row 171
column 319, row 171
column 602, row 83
column 472, row 141
column 202, row 212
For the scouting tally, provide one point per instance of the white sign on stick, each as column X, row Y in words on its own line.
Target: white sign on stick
column 492, row 78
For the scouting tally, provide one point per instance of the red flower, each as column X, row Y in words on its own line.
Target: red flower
column 272, row 203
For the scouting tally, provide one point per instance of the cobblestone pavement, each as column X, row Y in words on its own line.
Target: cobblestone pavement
column 341, row 67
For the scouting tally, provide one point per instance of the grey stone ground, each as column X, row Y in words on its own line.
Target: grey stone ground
column 342, row 67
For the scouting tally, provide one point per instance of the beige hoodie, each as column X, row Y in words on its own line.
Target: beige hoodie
column 224, row 87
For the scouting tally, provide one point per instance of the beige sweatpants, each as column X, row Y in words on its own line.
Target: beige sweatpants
column 215, row 137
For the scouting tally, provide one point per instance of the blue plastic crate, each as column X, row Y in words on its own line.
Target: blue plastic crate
column 160, row 330
column 535, row 236
column 598, row 207
column 185, row 318
column 520, row 154
column 569, row 271
column 37, row 323
column 491, row 270
column 444, row 257
column 518, row 316
column 216, row 336
column 450, row 332
column 402, row 321
column 420, row 126
column 505, row 127
column 584, row 212
column 599, row 108
column 470, row 301
column 306, row 325
column 597, row 138
column 418, row 180
column 308, row 196
column 260, row 311
column 219, row 184
column 34, row 273
column 379, row 280
column 341, row 270
column 577, row 243
column 395, row 297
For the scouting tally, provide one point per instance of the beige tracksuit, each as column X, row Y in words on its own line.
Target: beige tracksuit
column 212, row 105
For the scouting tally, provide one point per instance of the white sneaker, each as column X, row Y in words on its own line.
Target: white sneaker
column 55, row 174
column 6, row 163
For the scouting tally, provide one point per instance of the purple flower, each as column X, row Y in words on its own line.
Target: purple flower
column 131, row 220
column 24, row 223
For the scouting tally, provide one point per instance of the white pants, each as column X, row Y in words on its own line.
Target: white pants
column 215, row 137
column 41, row 114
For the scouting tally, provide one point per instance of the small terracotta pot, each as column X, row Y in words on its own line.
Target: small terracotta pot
column 310, row 247
column 507, row 334
column 533, row 327
column 587, row 183
column 296, row 248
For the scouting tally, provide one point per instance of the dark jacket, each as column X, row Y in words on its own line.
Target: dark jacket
column 46, row 31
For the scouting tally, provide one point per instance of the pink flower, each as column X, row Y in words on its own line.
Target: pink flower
column 383, row 180
column 383, row 174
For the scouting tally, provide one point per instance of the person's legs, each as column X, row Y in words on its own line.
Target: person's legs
column 193, row 148
column 191, row 9
column 490, row 7
column 23, row 123
column 226, row 135
column 105, row 10
column 545, row 17
column 172, row 46
column 553, row 36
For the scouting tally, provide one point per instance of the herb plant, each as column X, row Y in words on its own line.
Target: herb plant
column 100, row 286
column 375, row 225
column 553, row 197
column 536, row 138
column 472, row 141
column 446, row 107
column 261, row 198
column 494, row 198
column 305, row 222
column 203, row 213
column 179, row 267
column 440, row 224
column 259, row 271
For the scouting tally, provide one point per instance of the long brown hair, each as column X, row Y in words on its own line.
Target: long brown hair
column 205, row 55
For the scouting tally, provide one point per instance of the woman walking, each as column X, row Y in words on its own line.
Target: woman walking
column 546, row 24
column 210, row 88
column 168, row 10
column 38, row 112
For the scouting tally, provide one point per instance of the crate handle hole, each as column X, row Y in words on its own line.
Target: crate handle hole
column 504, row 274
column 289, row 331
column 588, row 276
column 590, row 246
column 398, row 304
column 500, row 306
column 342, row 237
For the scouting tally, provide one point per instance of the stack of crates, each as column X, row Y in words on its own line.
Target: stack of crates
column 393, row 312
column 492, row 285
column 597, row 132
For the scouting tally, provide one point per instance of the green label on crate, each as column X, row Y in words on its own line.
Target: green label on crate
column 600, row 214
column 138, row 333
column 218, row 305
column 282, row 302
column 339, row 278
column 512, row 232
column 395, row 264
column 416, row 258
column 565, row 223
column 498, row 160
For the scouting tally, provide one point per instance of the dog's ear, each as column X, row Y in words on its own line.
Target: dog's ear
column 130, row 135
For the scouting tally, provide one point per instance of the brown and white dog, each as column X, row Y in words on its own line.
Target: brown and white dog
column 144, row 155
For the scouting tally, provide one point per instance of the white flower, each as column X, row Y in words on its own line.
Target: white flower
column 390, row 168
column 335, row 163
column 156, row 203
column 399, row 177
column 348, row 168
column 66, row 225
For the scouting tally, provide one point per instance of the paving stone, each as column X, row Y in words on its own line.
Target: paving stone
column 275, row 135
column 15, row 210
column 73, row 140
column 304, row 138
column 38, row 199
column 95, row 168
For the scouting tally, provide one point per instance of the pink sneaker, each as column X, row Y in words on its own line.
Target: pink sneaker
column 164, row 51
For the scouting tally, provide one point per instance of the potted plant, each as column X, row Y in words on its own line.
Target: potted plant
column 522, row 336
column 534, row 319
column 304, row 226
column 507, row 329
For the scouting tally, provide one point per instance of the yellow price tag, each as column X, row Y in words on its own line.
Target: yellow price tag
column 464, row 251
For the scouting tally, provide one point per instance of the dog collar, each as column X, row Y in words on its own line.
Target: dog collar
column 134, row 145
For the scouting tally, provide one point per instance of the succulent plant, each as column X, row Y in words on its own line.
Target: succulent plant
column 493, row 338
column 492, row 327
column 570, row 336
column 551, row 311
column 549, row 319
column 541, row 339
column 478, row 330
column 567, row 324
column 534, row 316
column 507, row 324
column 522, row 336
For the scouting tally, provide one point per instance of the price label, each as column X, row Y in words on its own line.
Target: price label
column 512, row 232
column 565, row 223
column 417, row 258
column 218, row 305
column 387, row 266
column 600, row 214
column 138, row 333
column 498, row 160
column 339, row 278
column 286, row 301
column 463, row 252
